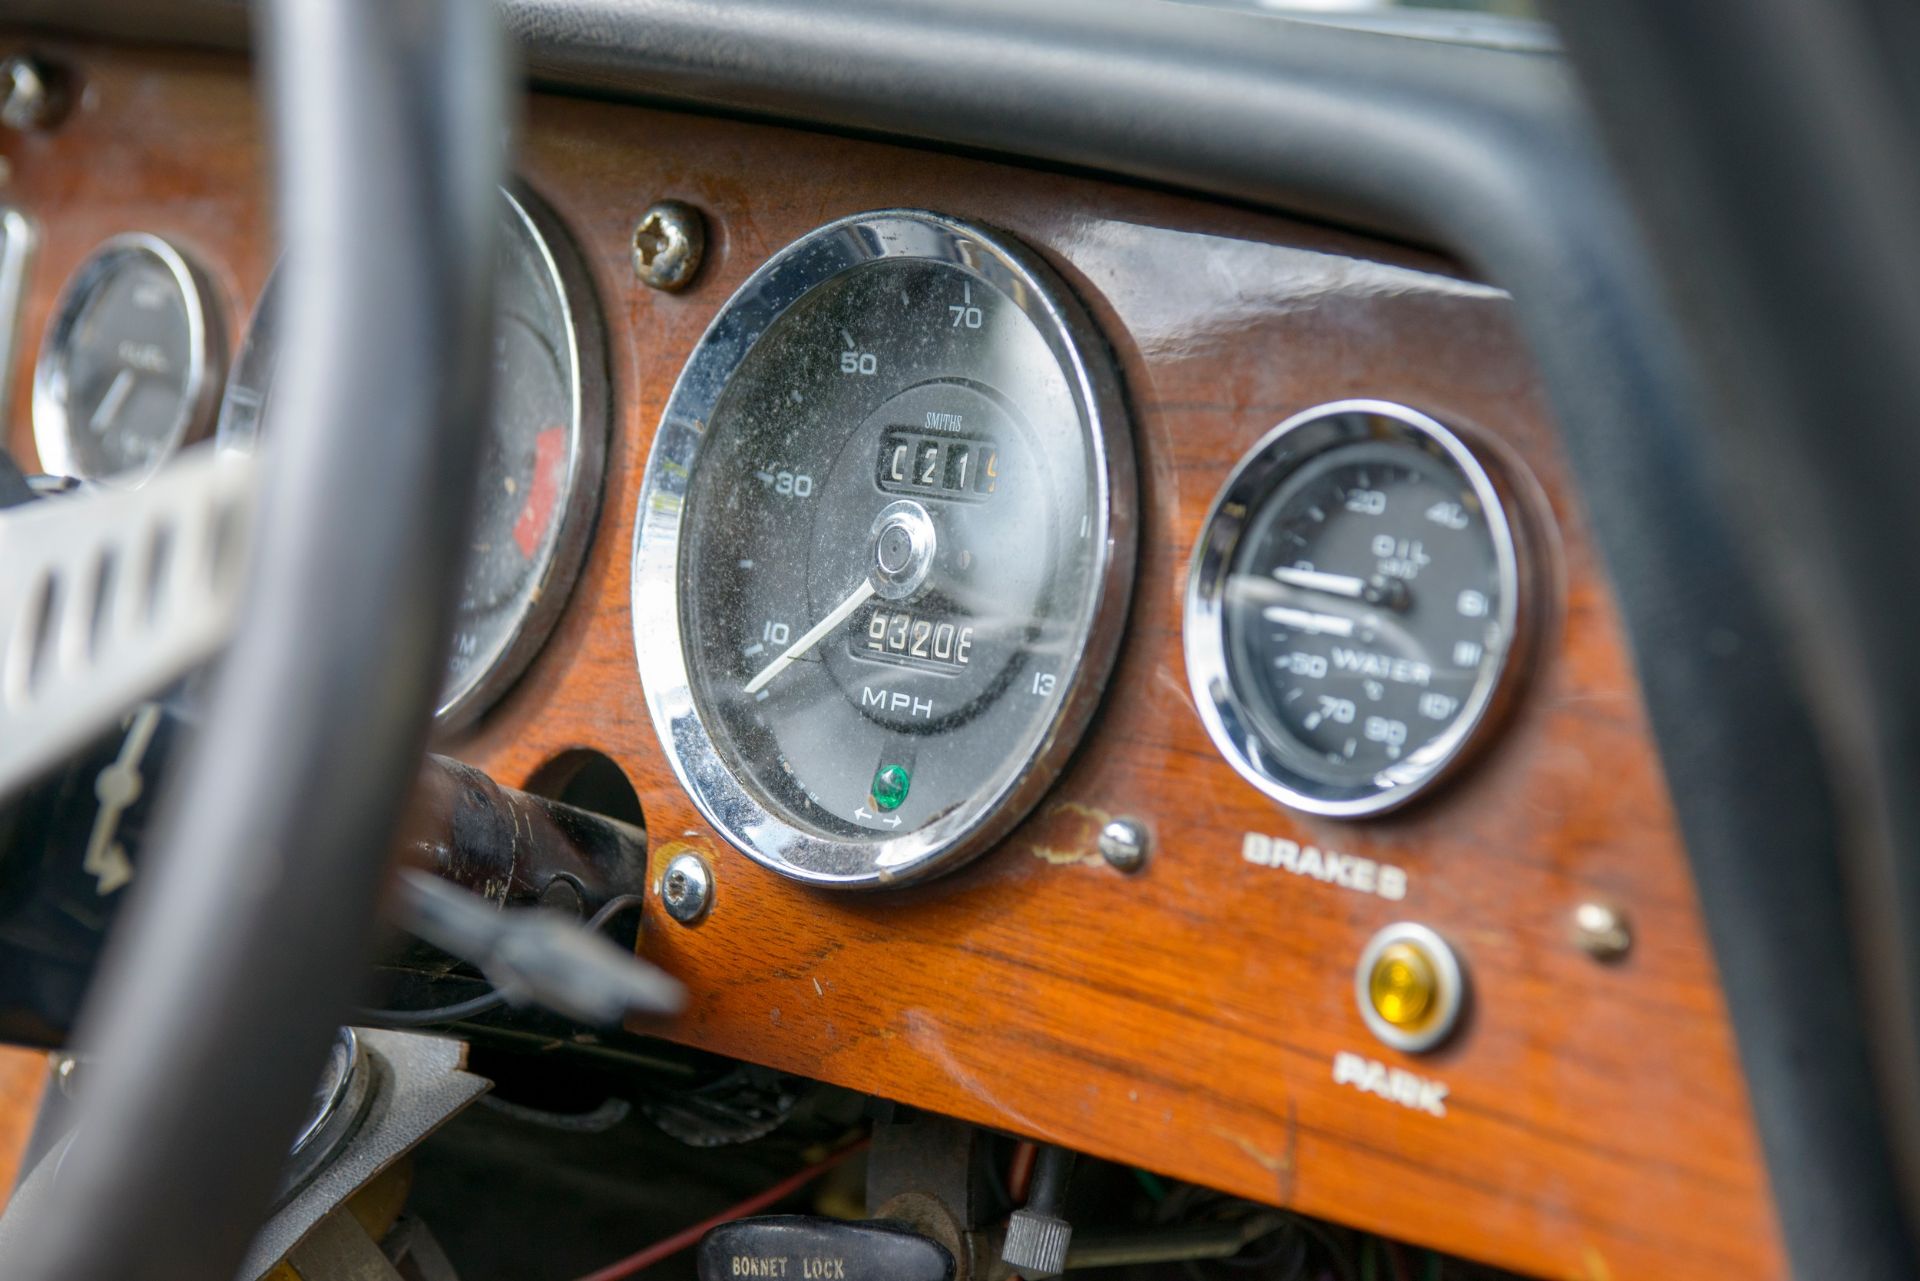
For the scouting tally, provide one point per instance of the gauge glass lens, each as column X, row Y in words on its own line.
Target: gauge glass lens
column 124, row 379
column 1365, row 610
column 540, row 457
column 523, row 502
column 895, row 559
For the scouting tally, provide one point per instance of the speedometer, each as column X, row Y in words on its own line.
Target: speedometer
column 1355, row 606
column 885, row 549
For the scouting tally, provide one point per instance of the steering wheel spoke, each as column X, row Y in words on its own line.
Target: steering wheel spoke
column 111, row 596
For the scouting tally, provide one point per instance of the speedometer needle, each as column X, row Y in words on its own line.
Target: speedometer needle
column 838, row 616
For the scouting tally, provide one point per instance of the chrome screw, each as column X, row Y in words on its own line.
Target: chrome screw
column 1601, row 931
column 668, row 243
column 32, row 94
column 686, row 890
column 1123, row 843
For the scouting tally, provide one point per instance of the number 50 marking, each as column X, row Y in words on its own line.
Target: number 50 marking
column 855, row 361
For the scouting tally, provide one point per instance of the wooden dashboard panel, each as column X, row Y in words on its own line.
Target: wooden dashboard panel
column 1186, row 1018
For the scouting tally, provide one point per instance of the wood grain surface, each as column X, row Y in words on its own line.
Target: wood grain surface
column 1186, row 1018
column 23, row 1073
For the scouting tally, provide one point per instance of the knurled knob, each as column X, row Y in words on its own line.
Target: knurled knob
column 1036, row 1244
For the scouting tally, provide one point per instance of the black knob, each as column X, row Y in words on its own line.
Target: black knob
column 802, row 1248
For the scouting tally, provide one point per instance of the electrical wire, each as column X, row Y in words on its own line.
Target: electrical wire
column 492, row 999
column 1020, row 1170
column 1286, row 1242
column 1343, row 1261
column 687, row 1238
column 458, row 1011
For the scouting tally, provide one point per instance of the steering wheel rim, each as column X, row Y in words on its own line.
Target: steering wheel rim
column 242, row 947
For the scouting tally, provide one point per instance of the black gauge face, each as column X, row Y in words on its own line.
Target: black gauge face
column 1361, row 609
column 920, row 510
column 540, row 457
column 125, row 377
column 893, row 560
column 524, row 463
column 1359, row 592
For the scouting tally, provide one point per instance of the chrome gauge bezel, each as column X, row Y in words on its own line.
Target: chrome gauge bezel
column 19, row 240
column 728, row 803
column 206, row 357
column 588, row 425
column 1278, row 455
column 589, row 422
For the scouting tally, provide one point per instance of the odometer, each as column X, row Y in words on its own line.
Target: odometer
column 1354, row 606
column 885, row 549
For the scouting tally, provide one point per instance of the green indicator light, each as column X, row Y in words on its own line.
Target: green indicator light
column 890, row 787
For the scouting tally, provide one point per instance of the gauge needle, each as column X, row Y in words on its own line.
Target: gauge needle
column 834, row 619
column 1309, row 622
column 1390, row 592
column 1316, row 581
column 110, row 404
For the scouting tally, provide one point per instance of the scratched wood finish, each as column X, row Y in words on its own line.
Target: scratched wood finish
column 1185, row 1018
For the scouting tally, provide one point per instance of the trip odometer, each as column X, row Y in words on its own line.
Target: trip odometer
column 884, row 550
column 1354, row 605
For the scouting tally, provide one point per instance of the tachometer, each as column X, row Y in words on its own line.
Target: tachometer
column 885, row 549
column 1354, row 605
column 541, row 453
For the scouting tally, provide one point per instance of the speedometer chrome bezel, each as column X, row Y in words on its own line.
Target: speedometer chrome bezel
column 728, row 803
column 1259, row 474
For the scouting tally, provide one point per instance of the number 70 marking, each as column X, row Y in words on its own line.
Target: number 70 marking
column 964, row 312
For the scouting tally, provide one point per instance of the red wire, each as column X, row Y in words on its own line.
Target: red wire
column 1020, row 1171
column 689, row 1237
